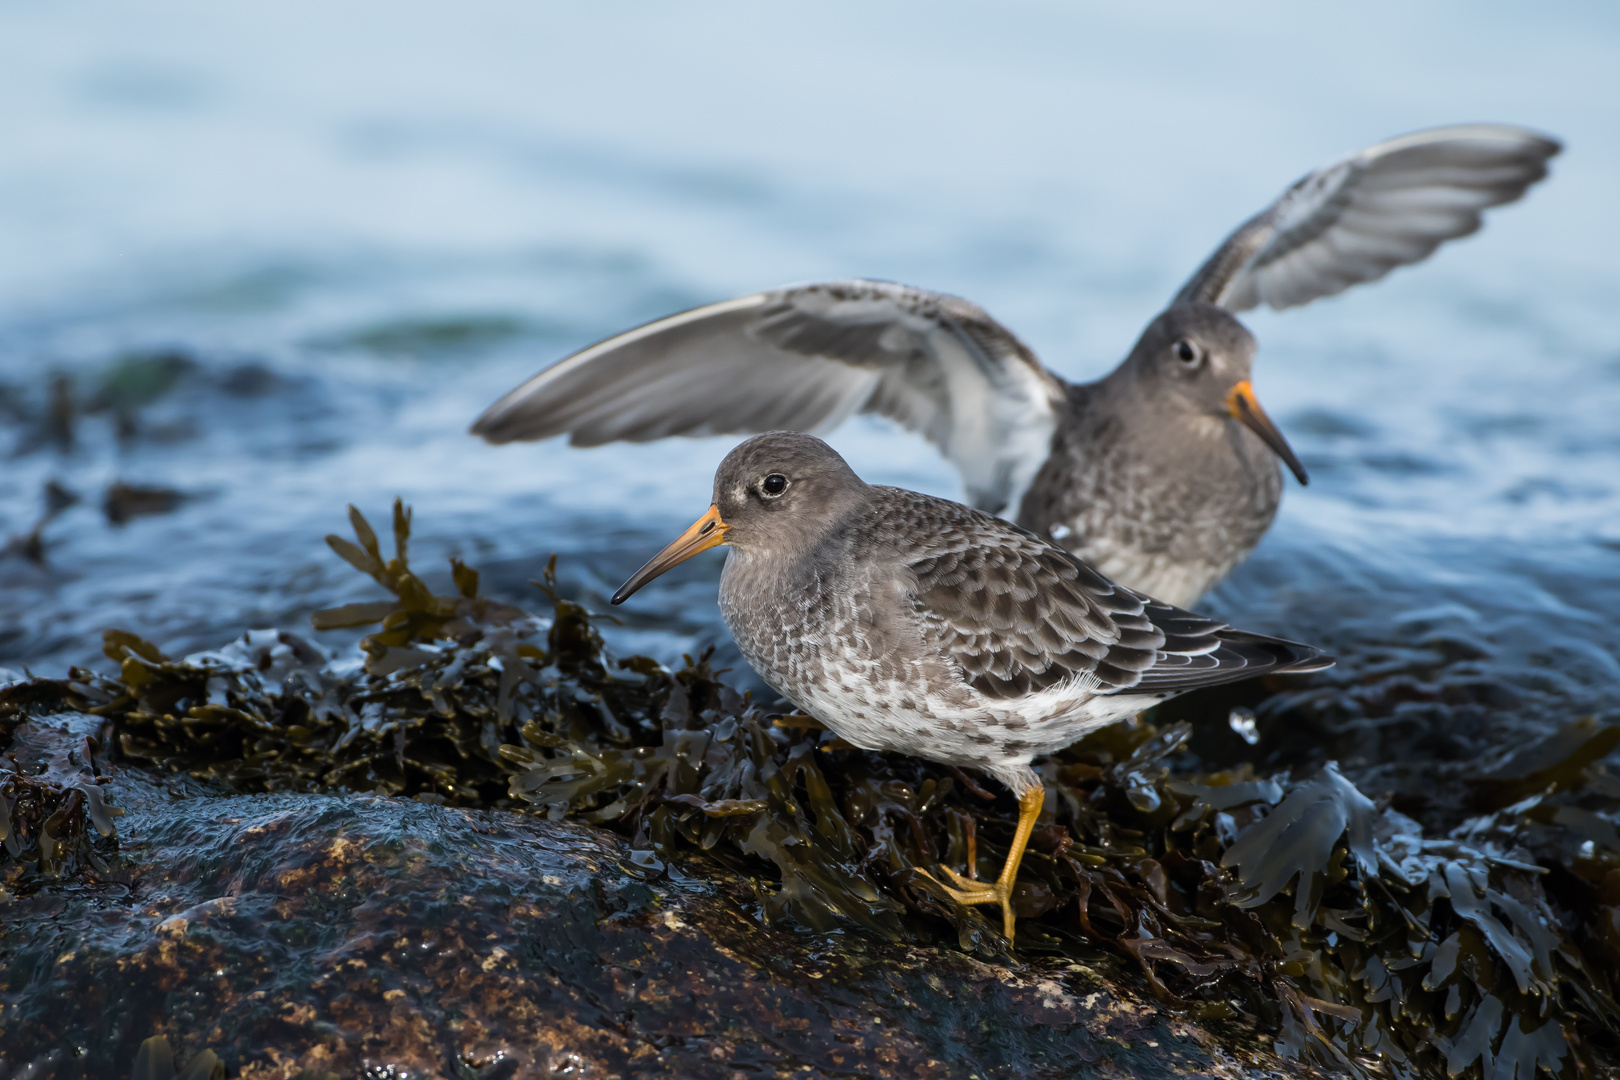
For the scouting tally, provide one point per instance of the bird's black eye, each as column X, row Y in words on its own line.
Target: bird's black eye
column 773, row 485
column 1188, row 353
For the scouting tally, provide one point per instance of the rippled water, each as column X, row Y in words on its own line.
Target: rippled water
column 277, row 258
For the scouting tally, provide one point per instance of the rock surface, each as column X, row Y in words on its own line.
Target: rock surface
column 364, row 935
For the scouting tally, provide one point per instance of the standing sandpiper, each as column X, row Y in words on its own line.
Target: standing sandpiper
column 910, row 623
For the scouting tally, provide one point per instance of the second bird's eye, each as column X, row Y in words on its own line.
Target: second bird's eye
column 774, row 484
column 1188, row 353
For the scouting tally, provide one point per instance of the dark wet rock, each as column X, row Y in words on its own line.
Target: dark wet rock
column 341, row 934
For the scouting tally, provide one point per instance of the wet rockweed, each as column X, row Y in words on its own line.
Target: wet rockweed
column 1292, row 906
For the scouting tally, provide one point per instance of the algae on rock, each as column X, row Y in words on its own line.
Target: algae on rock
column 51, row 797
column 1288, row 907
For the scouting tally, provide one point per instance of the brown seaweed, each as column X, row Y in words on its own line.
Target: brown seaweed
column 51, row 799
column 31, row 545
column 155, row 1061
column 123, row 502
column 1298, row 907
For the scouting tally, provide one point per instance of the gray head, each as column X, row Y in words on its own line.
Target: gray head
column 778, row 491
column 1195, row 359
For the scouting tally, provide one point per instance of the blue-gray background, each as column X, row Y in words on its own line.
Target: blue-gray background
column 310, row 242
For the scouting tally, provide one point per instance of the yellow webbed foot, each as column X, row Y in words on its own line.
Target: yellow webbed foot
column 966, row 891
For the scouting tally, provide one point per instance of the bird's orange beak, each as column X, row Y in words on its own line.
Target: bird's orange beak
column 1245, row 408
column 706, row 532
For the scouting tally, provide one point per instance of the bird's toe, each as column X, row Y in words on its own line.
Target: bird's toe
column 969, row 892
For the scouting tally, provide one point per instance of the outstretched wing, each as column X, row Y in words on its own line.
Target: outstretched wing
column 1357, row 219
column 805, row 358
column 1019, row 616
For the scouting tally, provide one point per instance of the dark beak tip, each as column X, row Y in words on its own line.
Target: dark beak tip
column 1248, row 413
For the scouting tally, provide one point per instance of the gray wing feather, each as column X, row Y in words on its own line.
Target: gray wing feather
column 805, row 358
column 1020, row 616
column 695, row 373
column 1355, row 220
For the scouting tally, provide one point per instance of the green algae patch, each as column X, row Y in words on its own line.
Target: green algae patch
column 432, row 338
column 1288, row 908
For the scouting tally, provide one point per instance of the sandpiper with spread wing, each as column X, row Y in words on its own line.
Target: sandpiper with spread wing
column 910, row 623
column 1164, row 474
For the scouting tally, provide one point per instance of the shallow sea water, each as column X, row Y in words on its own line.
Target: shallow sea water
column 279, row 257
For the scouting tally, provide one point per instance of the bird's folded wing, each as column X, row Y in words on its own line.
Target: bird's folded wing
column 805, row 358
column 1203, row 652
column 1020, row 616
column 1355, row 220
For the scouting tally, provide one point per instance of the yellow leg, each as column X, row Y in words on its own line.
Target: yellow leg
column 968, row 891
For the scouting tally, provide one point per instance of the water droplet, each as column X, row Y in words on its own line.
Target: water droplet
column 645, row 864
column 1242, row 721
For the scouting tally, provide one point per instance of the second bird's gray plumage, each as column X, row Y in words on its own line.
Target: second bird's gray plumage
column 911, row 623
column 1152, row 484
